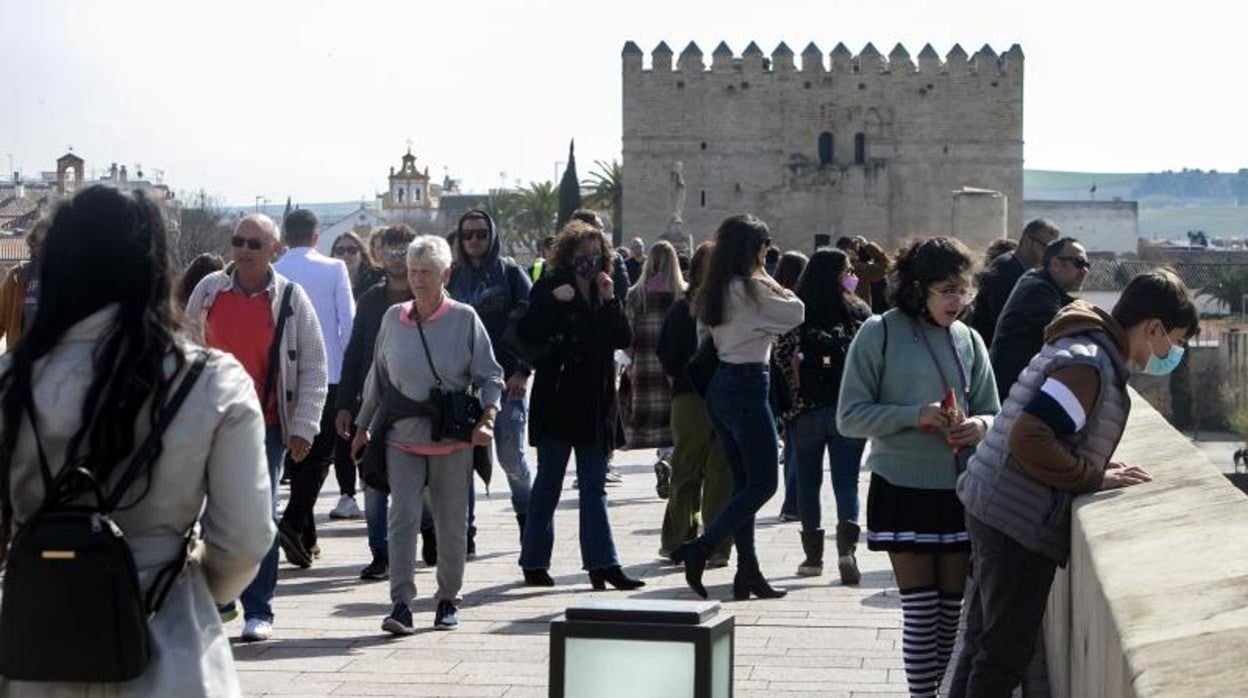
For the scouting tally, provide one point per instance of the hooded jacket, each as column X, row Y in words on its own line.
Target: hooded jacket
column 495, row 288
column 1021, row 483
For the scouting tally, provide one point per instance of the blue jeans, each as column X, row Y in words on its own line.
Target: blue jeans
column 257, row 598
column 377, row 518
column 597, row 546
column 510, row 431
column 741, row 415
column 376, row 511
column 810, row 434
column 789, row 505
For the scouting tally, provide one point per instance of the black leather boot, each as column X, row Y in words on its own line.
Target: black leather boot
column 812, row 545
column 614, row 576
column 750, row 581
column 846, row 542
column 693, row 555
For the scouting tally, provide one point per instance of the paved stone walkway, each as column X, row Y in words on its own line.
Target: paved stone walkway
column 822, row 639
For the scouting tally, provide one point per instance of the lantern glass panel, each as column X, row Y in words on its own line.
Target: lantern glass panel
column 610, row 668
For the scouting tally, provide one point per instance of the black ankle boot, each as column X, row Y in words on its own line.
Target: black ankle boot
column 538, row 578
column 693, row 555
column 614, row 576
column 812, row 545
column 846, row 543
column 750, row 580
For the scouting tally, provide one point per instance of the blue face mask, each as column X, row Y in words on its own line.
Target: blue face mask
column 1164, row 365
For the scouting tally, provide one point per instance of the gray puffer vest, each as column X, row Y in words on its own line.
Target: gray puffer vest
column 996, row 490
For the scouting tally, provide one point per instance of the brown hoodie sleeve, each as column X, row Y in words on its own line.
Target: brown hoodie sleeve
column 1035, row 445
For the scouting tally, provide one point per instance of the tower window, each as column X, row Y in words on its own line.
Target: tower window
column 827, row 146
column 704, row 198
column 703, row 145
column 860, row 148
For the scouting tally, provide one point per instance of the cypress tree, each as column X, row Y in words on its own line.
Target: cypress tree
column 569, row 189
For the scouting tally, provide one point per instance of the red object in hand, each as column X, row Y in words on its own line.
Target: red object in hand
column 949, row 404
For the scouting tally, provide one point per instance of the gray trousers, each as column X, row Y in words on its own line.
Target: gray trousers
column 449, row 478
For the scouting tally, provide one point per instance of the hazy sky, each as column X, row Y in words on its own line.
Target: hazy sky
column 317, row 99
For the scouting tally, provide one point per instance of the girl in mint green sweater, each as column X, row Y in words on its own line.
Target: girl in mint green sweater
column 919, row 385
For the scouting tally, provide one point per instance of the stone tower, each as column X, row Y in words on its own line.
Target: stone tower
column 70, row 174
column 837, row 144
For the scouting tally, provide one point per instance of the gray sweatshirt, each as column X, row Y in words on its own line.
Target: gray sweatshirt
column 462, row 355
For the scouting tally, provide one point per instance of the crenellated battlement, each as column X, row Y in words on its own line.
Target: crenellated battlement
column 868, row 61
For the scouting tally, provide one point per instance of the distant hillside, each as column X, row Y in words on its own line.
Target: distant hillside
column 1214, row 221
column 1185, row 187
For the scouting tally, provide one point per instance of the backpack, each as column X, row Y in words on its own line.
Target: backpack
column 73, row 608
column 823, row 351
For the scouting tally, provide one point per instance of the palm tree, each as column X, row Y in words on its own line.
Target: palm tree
column 1230, row 290
column 607, row 183
column 536, row 207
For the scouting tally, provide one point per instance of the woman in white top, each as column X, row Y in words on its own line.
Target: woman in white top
column 746, row 310
column 103, row 354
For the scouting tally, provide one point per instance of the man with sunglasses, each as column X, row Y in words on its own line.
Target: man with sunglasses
column 1037, row 297
column 497, row 288
column 238, row 311
column 997, row 281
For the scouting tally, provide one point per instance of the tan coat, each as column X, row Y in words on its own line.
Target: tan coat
column 212, row 460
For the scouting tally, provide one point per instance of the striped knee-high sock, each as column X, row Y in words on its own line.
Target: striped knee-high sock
column 947, row 626
column 920, row 610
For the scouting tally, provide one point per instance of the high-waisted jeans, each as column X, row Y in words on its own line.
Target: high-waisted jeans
column 741, row 415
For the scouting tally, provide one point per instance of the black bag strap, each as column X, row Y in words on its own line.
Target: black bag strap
column 275, row 349
column 143, row 457
column 428, row 357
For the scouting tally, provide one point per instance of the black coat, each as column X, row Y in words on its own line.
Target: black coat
column 574, row 386
column 358, row 358
column 678, row 342
column 995, row 284
column 1020, row 329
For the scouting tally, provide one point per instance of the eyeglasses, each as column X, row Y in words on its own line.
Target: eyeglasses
column 965, row 296
column 1078, row 262
column 251, row 243
column 351, row 250
column 480, row 234
column 394, row 255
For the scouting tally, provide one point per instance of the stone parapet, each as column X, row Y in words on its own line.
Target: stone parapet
column 1154, row 601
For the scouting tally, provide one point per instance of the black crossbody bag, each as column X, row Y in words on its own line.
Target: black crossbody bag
column 458, row 411
column 73, row 608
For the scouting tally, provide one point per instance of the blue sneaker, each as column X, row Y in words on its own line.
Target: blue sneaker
column 447, row 617
column 399, row 622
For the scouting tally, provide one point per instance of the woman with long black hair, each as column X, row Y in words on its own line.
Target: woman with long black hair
column 813, row 355
column 745, row 310
column 98, row 365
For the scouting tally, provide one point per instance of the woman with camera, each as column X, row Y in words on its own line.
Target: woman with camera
column 430, row 352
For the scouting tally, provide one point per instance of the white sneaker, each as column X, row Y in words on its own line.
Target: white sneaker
column 346, row 509
column 256, row 630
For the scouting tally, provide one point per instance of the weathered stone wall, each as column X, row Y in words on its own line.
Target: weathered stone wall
column 1102, row 226
column 747, row 131
column 1153, row 600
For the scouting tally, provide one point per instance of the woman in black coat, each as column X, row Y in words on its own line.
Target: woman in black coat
column 575, row 317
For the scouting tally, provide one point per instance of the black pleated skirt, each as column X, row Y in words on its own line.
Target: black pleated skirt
column 908, row 519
